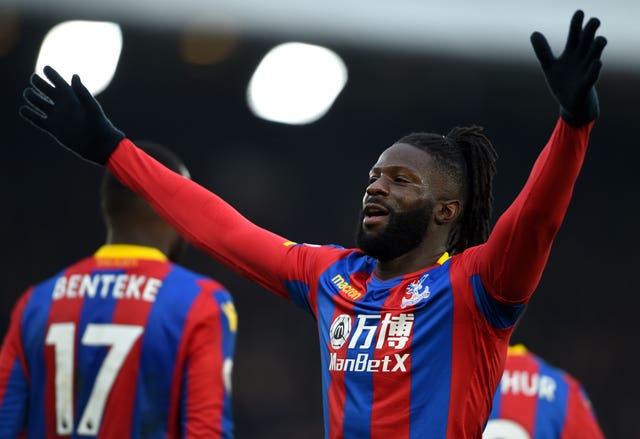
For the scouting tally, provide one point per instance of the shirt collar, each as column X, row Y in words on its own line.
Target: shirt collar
column 442, row 259
column 128, row 251
column 518, row 349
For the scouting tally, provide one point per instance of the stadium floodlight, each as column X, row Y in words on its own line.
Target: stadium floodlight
column 89, row 48
column 296, row 83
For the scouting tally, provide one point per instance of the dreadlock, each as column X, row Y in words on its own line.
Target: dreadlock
column 480, row 159
column 466, row 156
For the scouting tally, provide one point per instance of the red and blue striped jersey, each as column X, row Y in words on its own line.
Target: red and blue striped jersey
column 418, row 356
column 538, row 401
column 123, row 344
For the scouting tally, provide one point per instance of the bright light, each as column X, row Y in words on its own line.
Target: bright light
column 296, row 83
column 89, row 48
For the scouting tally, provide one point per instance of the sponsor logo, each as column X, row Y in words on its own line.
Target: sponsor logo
column 416, row 292
column 345, row 287
column 363, row 363
column 380, row 331
column 520, row 382
column 340, row 330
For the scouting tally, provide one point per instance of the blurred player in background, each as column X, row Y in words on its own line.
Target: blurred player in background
column 413, row 324
column 538, row 401
column 125, row 343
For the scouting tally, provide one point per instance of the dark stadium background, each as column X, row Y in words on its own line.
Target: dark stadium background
column 306, row 182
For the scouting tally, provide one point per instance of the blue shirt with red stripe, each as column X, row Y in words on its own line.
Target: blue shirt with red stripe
column 120, row 344
column 412, row 357
column 538, row 401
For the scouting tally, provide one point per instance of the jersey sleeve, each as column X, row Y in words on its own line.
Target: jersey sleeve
column 203, row 391
column 212, row 225
column 581, row 422
column 511, row 262
column 14, row 376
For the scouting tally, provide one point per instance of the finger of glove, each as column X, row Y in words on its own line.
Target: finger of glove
column 595, row 51
column 590, row 79
column 84, row 96
column 58, row 81
column 542, row 50
column 37, row 100
column 573, row 39
column 588, row 34
column 41, row 84
column 33, row 117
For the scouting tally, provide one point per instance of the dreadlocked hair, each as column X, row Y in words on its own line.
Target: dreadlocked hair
column 480, row 160
column 466, row 156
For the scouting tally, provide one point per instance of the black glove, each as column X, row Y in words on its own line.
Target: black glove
column 71, row 115
column 572, row 76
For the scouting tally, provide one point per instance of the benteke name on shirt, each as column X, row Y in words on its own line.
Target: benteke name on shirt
column 103, row 285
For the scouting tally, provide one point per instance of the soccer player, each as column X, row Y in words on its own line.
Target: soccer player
column 414, row 323
column 538, row 401
column 124, row 343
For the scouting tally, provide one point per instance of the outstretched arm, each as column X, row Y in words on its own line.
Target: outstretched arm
column 71, row 115
column 203, row 218
column 512, row 260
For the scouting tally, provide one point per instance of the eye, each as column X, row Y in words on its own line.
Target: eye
column 401, row 179
column 372, row 179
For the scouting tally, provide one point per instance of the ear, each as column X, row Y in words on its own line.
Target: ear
column 447, row 211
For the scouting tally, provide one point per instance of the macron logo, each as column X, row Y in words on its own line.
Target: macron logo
column 345, row 288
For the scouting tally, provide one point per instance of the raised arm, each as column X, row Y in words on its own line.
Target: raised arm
column 512, row 260
column 72, row 116
column 203, row 218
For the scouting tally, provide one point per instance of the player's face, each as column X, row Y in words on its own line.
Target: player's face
column 398, row 204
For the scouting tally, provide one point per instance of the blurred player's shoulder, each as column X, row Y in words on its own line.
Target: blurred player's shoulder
column 520, row 354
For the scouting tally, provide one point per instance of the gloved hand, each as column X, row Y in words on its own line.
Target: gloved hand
column 573, row 75
column 71, row 115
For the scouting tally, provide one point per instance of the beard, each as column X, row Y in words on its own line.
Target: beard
column 404, row 232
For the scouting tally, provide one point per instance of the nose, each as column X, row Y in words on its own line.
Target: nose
column 378, row 187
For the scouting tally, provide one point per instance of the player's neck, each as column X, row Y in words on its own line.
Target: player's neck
column 136, row 238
